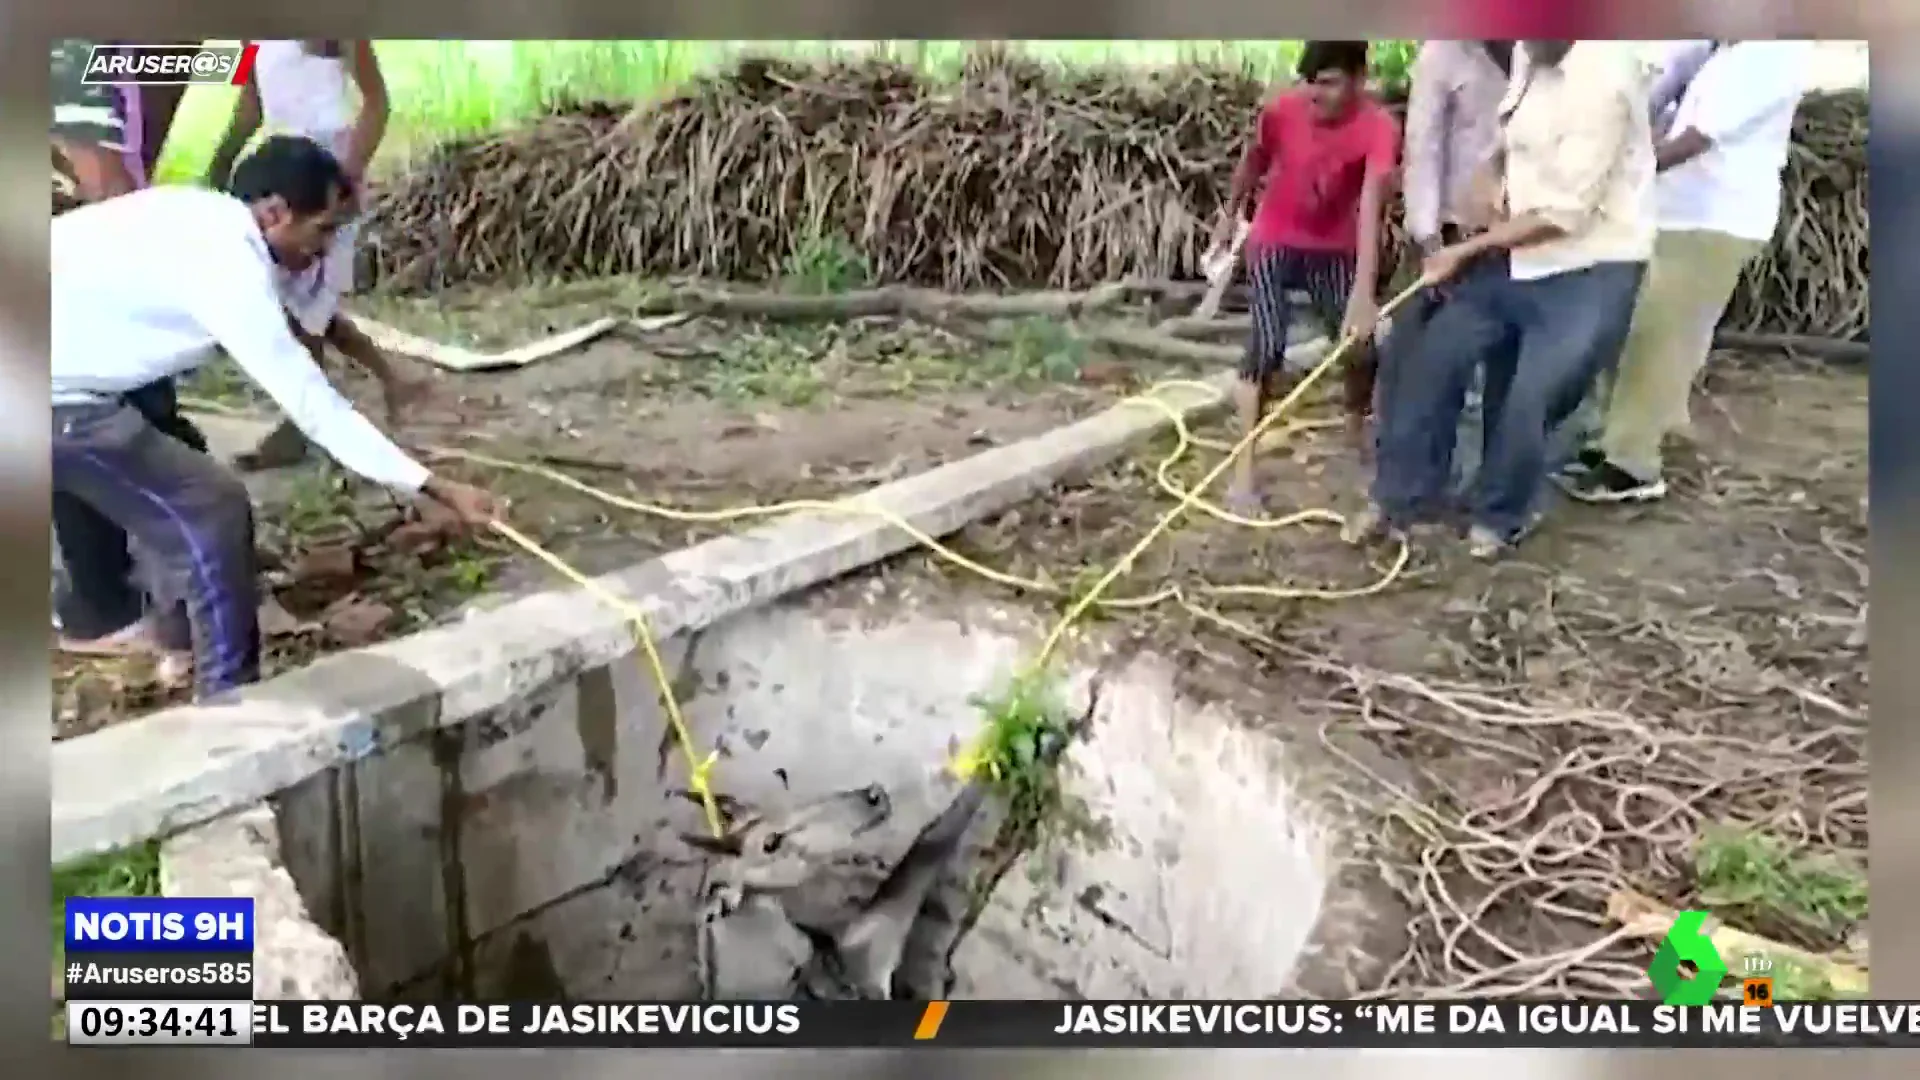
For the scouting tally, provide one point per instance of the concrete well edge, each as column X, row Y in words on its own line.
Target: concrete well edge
column 185, row 766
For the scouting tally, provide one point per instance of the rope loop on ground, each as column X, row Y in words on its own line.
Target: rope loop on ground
column 966, row 762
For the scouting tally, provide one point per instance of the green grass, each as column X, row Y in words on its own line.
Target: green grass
column 1756, row 882
column 449, row 89
column 120, row 873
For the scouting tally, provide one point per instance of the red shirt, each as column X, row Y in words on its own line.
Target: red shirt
column 1313, row 169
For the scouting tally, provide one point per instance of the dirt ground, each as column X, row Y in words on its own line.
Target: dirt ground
column 708, row 415
column 1664, row 702
column 1655, row 708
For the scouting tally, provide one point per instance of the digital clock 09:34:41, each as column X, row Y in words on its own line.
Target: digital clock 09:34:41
column 159, row 1023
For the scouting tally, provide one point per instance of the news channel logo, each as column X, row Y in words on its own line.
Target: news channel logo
column 1688, row 945
column 168, row 65
column 150, row 924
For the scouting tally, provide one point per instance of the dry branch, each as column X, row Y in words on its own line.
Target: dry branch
column 454, row 358
column 1647, row 918
column 894, row 302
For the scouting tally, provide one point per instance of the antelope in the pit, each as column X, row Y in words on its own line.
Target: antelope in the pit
column 747, row 947
column 899, row 942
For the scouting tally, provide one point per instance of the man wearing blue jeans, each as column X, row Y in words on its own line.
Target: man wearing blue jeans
column 1453, row 129
column 1542, row 297
column 108, row 138
column 197, row 270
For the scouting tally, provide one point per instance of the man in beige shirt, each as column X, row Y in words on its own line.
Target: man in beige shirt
column 1545, row 293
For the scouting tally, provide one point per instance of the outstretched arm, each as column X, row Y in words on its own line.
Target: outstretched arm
column 371, row 125
column 395, row 386
column 1382, row 161
column 237, row 303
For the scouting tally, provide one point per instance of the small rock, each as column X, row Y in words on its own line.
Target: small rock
column 1105, row 373
column 353, row 621
column 276, row 621
column 417, row 537
column 335, row 563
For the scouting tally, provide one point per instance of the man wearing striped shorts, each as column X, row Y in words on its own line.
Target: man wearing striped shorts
column 1323, row 155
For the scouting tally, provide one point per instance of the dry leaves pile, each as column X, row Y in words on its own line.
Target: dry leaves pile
column 1019, row 175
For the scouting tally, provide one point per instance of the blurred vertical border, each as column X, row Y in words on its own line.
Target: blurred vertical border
column 24, row 475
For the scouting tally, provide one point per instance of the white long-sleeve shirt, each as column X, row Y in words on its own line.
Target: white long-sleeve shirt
column 147, row 285
column 1453, row 127
column 1743, row 98
column 1675, row 65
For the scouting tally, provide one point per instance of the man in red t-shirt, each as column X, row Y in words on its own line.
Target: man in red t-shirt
column 1322, row 158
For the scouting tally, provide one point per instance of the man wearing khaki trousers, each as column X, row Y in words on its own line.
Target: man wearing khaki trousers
column 1718, row 195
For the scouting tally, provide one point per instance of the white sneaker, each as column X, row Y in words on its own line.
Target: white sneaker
column 129, row 640
column 174, row 669
column 1485, row 544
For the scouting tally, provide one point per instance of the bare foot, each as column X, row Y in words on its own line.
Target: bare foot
column 1360, row 437
column 1366, row 527
column 1243, row 500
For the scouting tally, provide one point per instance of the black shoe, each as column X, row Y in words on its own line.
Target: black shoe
column 1609, row 483
column 1584, row 462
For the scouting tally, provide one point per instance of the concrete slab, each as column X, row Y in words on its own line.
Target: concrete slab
column 188, row 765
column 239, row 856
column 1208, row 880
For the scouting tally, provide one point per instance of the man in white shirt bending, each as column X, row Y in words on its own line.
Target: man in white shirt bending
column 192, row 270
column 1718, row 192
column 309, row 88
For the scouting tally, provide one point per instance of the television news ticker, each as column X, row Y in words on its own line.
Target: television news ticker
column 154, row 971
column 1056, row 1024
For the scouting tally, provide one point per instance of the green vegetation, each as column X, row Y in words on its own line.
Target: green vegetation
column 1028, row 725
column 820, row 264
column 1757, row 882
column 449, row 89
column 118, row 873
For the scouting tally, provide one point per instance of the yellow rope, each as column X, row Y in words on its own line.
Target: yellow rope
column 968, row 761
column 700, row 769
